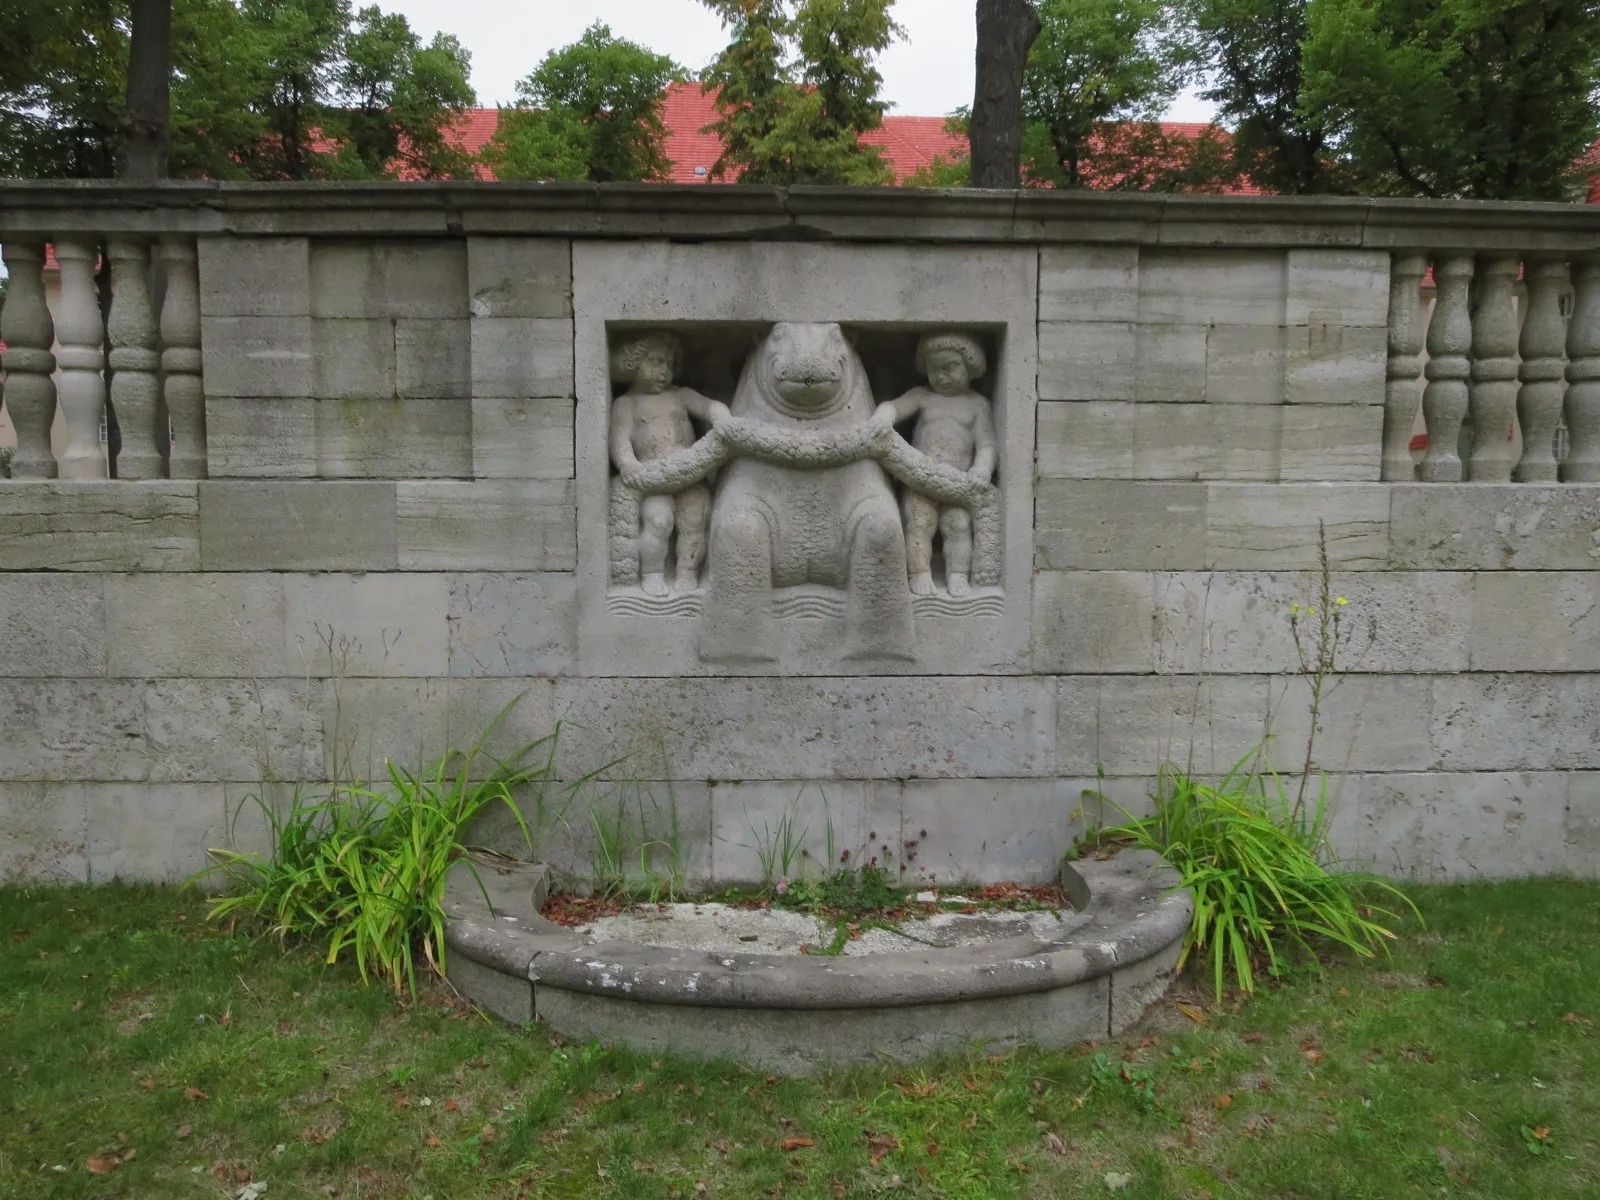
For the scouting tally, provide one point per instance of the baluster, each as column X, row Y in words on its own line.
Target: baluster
column 1583, row 376
column 134, row 360
column 1444, row 400
column 1405, row 364
column 30, row 389
column 82, row 389
column 180, row 359
column 1493, row 404
column 1543, row 372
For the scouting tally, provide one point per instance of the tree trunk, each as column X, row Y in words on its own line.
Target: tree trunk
column 1006, row 30
column 147, row 119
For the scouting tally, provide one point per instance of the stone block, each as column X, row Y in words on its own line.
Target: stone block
column 394, row 439
column 388, row 279
column 228, row 625
column 153, row 832
column 1205, row 441
column 1337, row 443
column 1494, row 526
column 433, row 359
column 514, row 625
column 519, row 357
column 1536, row 621
column 1244, row 364
column 1504, row 722
column 101, row 525
column 44, row 833
column 1276, row 526
column 988, row 830
column 1092, row 440
column 231, row 729
column 1337, row 287
column 495, row 525
column 1092, row 622
column 1170, row 364
column 858, row 818
column 1437, row 827
column 1084, row 360
column 529, row 438
column 1088, row 283
column 254, row 438
column 1115, row 525
column 763, row 728
column 352, row 625
column 1211, row 287
column 1582, row 833
column 1133, row 725
column 1365, row 723
column 1335, row 364
column 72, row 729
column 507, row 996
column 255, row 276
column 52, row 624
column 293, row 525
column 519, row 277
column 355, row 359
column 258, row 356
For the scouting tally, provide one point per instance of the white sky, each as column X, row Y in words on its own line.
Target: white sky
column 927, row 74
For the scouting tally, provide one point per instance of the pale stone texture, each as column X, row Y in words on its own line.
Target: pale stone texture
column 1170, row 365
column 1100, row 525
column 1092, row 440
column 746, row 818
column 230, row 729
column 1582, row 832
column 1333, row 364
column 72, row 729
column 1366, row 723
column 1215, row 287
column 1464, row 826
column 1205, row 441
column 255, row 276
column 1337, row 287
column 516, row 625
column 258, row 356
column 1084, row 360
column 527, row 438
column 1492, row 527
column 1132, row 725
column 433, row 359
column 1244, row 364
column 106, row 526
column 52, row 625
column 1336, row 443
column 1277, row 527
column 297, row 526
column 354, row 359
column 44, row 833
column 500, row 525
column 388, row 623
column 370, row 278
column 198, row 625
column 1088, row 283
column 1093, row 621
column 1497, row 722
column 1536, row 621
column 519, row 277
column 518, row 357
column 254, row 438
column 142, row 831
column 394, row 439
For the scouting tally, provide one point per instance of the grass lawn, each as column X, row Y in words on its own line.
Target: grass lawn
column 143, row 1054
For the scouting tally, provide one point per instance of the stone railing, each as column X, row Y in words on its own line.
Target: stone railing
column 71, row 363
column 1510, row 354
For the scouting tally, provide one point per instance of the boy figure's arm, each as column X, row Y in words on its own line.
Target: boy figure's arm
column 983, row 446
column 906, row 406
column 711, row 412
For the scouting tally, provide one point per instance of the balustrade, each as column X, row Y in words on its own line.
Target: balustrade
column 1542, row 347
column 1405, row 364
column 29, row 333
column 1583, row 376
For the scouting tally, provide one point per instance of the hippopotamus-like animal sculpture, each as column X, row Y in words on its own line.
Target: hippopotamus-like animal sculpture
column 775, row 524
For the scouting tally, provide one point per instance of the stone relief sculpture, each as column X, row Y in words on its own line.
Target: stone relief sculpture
column 806, row 499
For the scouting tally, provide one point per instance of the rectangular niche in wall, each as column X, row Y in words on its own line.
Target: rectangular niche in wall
column 747, row 502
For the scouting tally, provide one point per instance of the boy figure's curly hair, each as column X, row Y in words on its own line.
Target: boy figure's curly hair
column 963, row 344
column 625, row 359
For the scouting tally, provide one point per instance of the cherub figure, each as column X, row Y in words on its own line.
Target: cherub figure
column 954, row 427
column 651, row 420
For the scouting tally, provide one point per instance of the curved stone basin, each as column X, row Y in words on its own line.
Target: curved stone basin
column 1087, row 976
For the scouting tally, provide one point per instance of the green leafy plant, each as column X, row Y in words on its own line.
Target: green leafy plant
column 1257, row 866
column 608, row 861
column 363, row 868
column 780, row 848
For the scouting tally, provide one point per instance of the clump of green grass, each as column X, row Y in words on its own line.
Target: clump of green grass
column 1260, row 871
column 362, row 868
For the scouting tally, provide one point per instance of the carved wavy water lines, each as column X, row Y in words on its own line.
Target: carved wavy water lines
column 803, row 603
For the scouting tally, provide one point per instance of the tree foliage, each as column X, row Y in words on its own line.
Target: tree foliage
column 797, row 86
column 591, row 110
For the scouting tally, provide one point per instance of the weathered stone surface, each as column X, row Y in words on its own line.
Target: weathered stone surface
column 230, row 729
column 258, row 356
column 1338, row 443
column 52, row 624
column 152, row 831
column 1582, row 832
column 1212, row 287
column 1277, row 526
column 1245, row 364
column 519, row 277
column 519, row 357
column 1170, row 364
column 196, row 625
column 1436, row 827
column 1112, row 525
column 1088, row 283
column 255, row 276
column 1086, row 440
column 1086, row 360
column 433, row 359
column 394, row 439
column 99, row 526
column 297, row 525
column 389, row 623
column 516, row 625
column 44, row 833
column 72, row 729
column 355, row 359
column 854, row 817
column 1492, row 527
column 1093, row 622
column 509, row 997
column 373, row 278
column 1337, row 287
column 1206, row 441
column 522, row 439
column 1500, row 722
column 1132, row 725
column 254, row 438
column 1365, row 723
column 1536, row 621
column 504, row 525
column 1333, row 364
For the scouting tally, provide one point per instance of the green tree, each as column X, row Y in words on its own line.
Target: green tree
column 1486, row 99
column 591, row 110
column 797, row 88
column 63, row 68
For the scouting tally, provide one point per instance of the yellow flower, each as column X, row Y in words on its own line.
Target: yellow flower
column 1341, row 601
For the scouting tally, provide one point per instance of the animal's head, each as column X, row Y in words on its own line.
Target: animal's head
column 808, row 366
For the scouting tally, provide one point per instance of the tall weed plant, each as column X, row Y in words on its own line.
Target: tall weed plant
column 362, row 868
